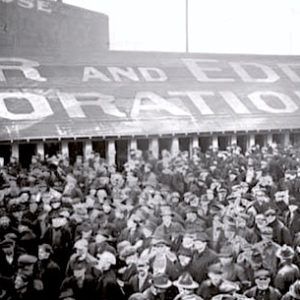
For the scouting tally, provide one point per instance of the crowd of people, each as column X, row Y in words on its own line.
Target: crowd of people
column 213, row 225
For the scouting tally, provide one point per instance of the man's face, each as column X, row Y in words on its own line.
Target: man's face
column 270, row 216
column 187, row 241
column 184, row 260
column 81, row 252
column 79, row 273
column 43, row 255
column 262, row 282
column 216, row 279
column 143, row 269
column 200, row 246
column 167, row 220
column 19, row 282
column 8, row 250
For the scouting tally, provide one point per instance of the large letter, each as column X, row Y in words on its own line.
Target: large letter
column 129, row 73
column 93, row 73
column 257, row 98
column 200, row 72
column 44, row 5
column 148, row 74
column 157, row 103
column 234, row 102
column 40, row 106
column 26, row 3
column 73, row 106
column 27, row 68
column 271, row 76
column 197, row 99
column 287, row 69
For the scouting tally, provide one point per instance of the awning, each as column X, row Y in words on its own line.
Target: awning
column 134, row 94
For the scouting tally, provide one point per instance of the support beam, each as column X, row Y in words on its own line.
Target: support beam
column 251, row 141
column 215, row 142
column 40, row 150
column 233, row 139
column 269, row 139
column 87, row 149
column 175, row 146
column 65, row 149
column 15, row 151
column 132, row 145
column 286, row 139
column 154, row 147
column 111, row 152
column 194, row 143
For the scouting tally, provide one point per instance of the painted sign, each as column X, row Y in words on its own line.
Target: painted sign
column 39, row 5
column 143, row 94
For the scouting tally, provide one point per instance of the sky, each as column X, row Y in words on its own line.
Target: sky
column 215, row 26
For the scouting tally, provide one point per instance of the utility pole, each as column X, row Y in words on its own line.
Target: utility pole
column 186, row 26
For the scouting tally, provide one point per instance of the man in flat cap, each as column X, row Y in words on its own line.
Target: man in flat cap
column 49, row 272
column 262, row 289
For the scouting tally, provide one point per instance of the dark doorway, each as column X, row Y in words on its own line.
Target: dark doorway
column 205, row 142
column 5, row 152
column 52, row 149
column 164, row 144
column 223, row 142
column 242, row 142
column 75, row 149
column 278, row 138
column 121, row 154
column 260, row 140
column 100, row 147
column 184, row 144
column 26, row 151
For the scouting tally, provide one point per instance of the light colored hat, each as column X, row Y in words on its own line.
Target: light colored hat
column 186, row 281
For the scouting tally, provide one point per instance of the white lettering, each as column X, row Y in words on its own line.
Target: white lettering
column 26, row 3
column 93, row 73
column 258, row 99
column 199, row 72
column 287, row 69
column 157, row 104
column 234, row 102
column 27, row 67
column 40, row 106
column 271, row 76
column 153, row 74
column 44, row 5
column 197, row 99
column 73, row 106
column 129, row 73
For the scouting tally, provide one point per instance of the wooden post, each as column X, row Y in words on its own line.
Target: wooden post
column 65, row 148
column 175, row 146
column 154, row 147
column 87, row 149
column 111, row 152
column 40, row 150
column 15, row 150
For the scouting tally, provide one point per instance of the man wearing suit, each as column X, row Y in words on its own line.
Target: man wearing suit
column 142, row 280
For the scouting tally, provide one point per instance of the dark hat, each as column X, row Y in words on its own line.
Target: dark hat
column 226, row 251
column 261, row 273
column 295, row 289
column 184, row 252
column 7, row 243
column 285, row 252
column 161, row 281
column 201, row 236
column 186, row 281
column 256, row 257
column 26, row 259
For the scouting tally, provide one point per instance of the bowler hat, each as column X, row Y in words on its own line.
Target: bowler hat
column 161, row 281
column 186, row 281
column 7, row 243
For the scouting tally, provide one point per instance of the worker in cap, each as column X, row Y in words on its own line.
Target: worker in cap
column 262, row 289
